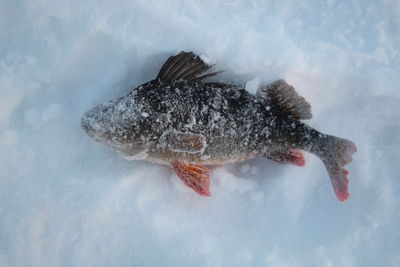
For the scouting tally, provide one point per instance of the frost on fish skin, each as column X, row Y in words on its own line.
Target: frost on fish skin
column 231, row 120
column 235, row 124
column 223, row 114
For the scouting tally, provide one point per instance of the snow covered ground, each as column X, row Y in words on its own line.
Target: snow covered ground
column 68, row 201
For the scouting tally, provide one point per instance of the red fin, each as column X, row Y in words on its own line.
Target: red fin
column 340, row 183
column 195, row 176
column 297, row 158
column 338, row 155
column 293, row 156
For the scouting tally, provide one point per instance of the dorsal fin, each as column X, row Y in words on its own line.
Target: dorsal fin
column 287, row 98
column 185, row 66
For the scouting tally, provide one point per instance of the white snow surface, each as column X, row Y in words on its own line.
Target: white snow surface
column 66, row 200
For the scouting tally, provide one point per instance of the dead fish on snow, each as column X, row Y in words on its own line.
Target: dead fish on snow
column 177, row 119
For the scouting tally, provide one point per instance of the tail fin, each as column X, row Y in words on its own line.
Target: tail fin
column 335, row 153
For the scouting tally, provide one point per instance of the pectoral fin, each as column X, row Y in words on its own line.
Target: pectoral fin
column 195, row 176
column 176, row 141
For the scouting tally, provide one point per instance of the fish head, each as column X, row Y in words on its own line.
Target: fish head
column 120, row 124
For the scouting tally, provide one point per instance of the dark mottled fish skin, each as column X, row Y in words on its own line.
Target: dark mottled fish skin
column 223, row 114
column 173, row 121
column 236, row 124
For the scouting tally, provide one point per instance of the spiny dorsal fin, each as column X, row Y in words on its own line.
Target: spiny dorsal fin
column 185, row 66
column 287, row 98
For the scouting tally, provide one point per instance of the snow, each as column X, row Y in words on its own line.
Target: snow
column 67, row 201
column 252, row 85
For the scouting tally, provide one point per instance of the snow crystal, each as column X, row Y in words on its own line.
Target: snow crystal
column 252, row 86
column 206, row 60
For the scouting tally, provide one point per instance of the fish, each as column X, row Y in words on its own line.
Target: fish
column 180, row 120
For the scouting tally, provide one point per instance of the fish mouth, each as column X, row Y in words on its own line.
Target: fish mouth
column 86, row 125
column 111, row 124
column 94, row 126
column 102, row 124
column 95, row 130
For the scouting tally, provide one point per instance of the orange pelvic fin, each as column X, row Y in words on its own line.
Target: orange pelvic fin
column 195, row 176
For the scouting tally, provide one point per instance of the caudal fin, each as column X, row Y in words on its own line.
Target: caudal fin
column 335, row 153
